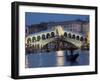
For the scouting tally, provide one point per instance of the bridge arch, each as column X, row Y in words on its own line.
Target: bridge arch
column 69, row 35
column 73, row 36
column 43, row 36
column 81, row 38
column 77, row 37
column 62, row 43
column 33, row 39
column 38, row 38
column 47, row 35
column 29, row 40
column 52, row 34
column 65, row 34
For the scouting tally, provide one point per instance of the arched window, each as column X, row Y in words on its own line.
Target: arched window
column 65, row 34
column 38, row 38
column 29, row 40
column 77, row 38
column 48, row 35
column 73, row 36
column 33, row 39
column 81, row 39
column 43, row 37
column 52, row 34
column 69, row 35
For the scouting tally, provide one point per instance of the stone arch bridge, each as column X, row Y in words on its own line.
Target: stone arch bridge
column 42, row 38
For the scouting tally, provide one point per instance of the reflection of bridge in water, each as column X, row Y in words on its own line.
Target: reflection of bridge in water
column 55, row 38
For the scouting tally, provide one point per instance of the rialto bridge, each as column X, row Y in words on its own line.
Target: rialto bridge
column 39, row 40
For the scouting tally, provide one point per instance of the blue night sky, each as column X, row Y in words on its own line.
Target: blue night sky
column 36, row 18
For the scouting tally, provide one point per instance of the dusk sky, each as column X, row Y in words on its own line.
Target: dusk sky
column 36, row 18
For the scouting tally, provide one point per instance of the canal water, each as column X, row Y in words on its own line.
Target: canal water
column 54, row 59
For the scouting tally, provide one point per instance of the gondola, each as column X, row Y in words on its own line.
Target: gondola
column 72, row 57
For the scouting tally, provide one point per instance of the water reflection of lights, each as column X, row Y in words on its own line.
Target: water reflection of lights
column 60, row 53
column 60, row 58
column 40, row 59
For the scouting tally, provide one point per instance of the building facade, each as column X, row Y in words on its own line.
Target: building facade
column 77, row 26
